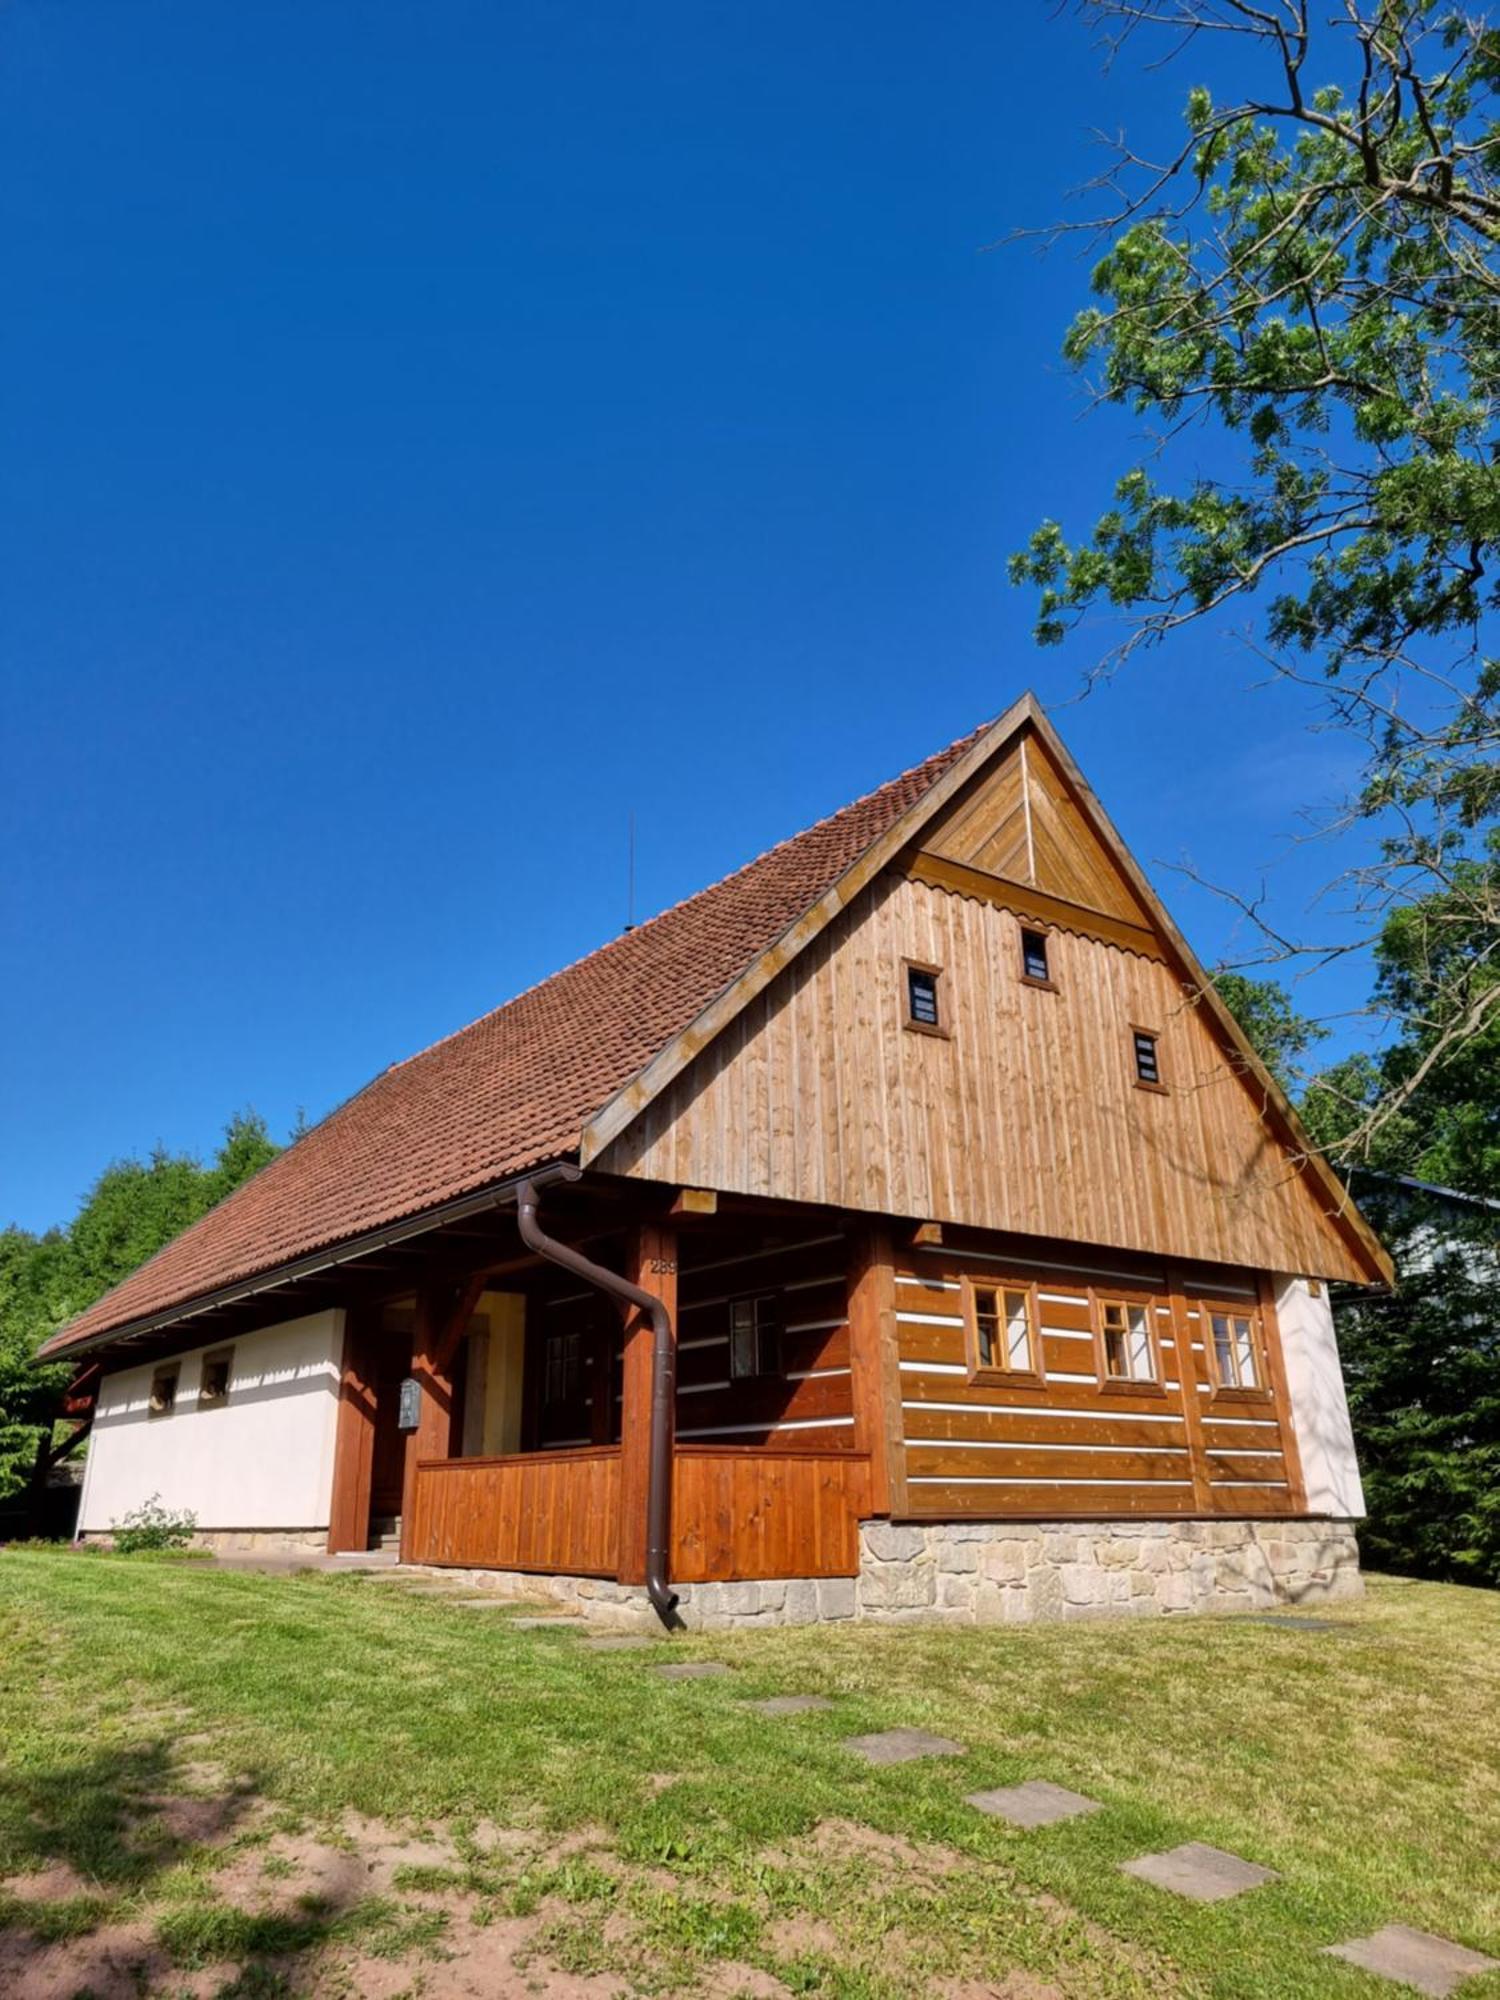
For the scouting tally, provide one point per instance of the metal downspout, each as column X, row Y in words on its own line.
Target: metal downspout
column 663, row 1388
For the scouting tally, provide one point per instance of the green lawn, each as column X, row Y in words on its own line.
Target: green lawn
column 579, row 1816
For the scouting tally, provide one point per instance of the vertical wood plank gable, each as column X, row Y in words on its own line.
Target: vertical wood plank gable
column 1027, row 1119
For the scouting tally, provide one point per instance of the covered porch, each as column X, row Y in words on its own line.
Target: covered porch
column 501, row 1413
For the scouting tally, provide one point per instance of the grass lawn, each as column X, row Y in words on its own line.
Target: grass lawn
column 225, row 1782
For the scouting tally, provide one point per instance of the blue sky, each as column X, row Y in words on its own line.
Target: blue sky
column 432, row 432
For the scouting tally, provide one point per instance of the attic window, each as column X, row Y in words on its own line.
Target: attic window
column 1147, row 1067
column 164, row 1391
column 923, row 1010
column 213, row 1390
column 1034, row 958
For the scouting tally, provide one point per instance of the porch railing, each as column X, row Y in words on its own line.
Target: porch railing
column 546, row 1510
column 740, row 1512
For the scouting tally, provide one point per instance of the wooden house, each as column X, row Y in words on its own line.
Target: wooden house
column 899, row 1228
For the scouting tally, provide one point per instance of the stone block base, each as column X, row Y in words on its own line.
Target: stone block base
column 999, row 1573
column 701, row 1607
column 1005, row 1573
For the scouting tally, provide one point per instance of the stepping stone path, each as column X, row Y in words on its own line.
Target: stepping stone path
column 1033, row 1804
column 790, row 1704
column 1415, row 1958
column 902, row 1746
column 1205, row 1874
column 693, row 1670
column 558, row 1624
column 626, row 1643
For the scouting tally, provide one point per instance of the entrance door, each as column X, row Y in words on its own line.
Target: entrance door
column 390, row 1364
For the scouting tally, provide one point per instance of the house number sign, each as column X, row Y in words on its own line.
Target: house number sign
column 409, row 1410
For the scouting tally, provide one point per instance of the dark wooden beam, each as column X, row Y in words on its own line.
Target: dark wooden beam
column 651, row 1263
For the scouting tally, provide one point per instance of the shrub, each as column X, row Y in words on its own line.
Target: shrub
column 152, row 1527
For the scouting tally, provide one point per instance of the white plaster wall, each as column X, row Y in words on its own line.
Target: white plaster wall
column 1320, row 1409
column 262, row 1460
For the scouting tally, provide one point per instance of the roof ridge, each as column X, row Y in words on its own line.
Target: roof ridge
column 685, row 902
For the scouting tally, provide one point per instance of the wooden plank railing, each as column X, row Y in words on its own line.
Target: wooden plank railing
column 743, row 1511
column 557, row 1511
column 739, row 1512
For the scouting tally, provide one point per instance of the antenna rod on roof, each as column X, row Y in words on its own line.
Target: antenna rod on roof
column 630, row 876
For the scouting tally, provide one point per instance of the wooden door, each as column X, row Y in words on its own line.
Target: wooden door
column 390, row 1364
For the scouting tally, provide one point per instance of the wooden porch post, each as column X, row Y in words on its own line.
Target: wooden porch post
column 1187, row 1382
column 651, row 1263
column 874, row 1367
column 443, row 1315
column 354, row 1443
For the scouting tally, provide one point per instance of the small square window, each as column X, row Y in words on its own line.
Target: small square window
column 1126, row 1327
column 213, row 1389
column 164, row 1391
column 1034, row 957
column 922, row 997
column 755, row 1336
column 1147, row 1068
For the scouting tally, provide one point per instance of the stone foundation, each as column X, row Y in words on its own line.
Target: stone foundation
column 243, row 1541
column 701, row 1607
column 1000, row 1573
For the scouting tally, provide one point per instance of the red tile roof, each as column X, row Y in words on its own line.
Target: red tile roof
column 514, row 1088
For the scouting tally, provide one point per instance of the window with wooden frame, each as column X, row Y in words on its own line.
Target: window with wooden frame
column 562, row 1368
column 164, row 1390
column 924, row 998
column 1145, row 1049
column 1126, row 1333
column 1000, row 1320
column 755, row 1336
column 213, row 1385
column 1034, row 963
column 1232, row 1336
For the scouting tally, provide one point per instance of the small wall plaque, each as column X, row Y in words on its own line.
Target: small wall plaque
column 409, row 1410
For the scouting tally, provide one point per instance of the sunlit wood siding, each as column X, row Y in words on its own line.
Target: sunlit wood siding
column 1026, row 1118
column 1073, row 1443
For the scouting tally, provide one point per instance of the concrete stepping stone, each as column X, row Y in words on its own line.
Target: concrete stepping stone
column 693, row 1670
column 790, row 1704
column 902, row 1746
column 1204, row 1874
column 1414, row 1958
column 1036, row 1803
column 625, row 1642
column 547, row 1624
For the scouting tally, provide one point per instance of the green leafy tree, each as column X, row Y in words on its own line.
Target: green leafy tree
column 1422, row 1362
column 1279, row 1035
column 130, row 1212
column 1422, row 1366
column 37, row 1284
column 1435, row 959
column 1302, row 300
